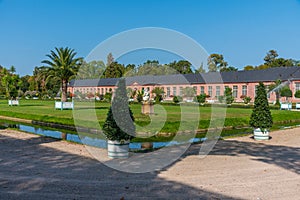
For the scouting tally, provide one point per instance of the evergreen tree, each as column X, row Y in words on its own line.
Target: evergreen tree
column 119, row 124
column 261, row 116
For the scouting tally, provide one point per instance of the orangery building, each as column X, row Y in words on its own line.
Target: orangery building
column 213, row 84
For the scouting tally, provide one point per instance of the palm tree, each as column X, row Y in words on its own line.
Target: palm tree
column 63, row 65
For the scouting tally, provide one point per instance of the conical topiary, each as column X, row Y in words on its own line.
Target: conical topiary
column 261, row 116
column 119, row 124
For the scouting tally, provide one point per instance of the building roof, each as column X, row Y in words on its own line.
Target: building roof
column 265, row 75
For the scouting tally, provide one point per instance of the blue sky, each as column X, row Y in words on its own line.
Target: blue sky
column 242, row 30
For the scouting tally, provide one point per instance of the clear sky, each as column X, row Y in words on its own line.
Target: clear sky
column 242, row 30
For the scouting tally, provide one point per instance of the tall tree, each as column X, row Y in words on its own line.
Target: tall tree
column 216, row 62
column 228, row 69
column 150, row 67
column 110, row 59
column 63, row 65
column 281, row 62
column 182, row 66
column 270, row 57
column 114, row 70
column 10, row 82
column 93, row 69
column 130, row 70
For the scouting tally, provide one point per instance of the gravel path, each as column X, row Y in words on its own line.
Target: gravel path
column 34, row 167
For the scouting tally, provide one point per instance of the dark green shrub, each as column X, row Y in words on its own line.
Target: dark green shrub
column 286, row 92
column 201, row 98
column 261, row 116
column 158, row 98
column 108, row 96
column 297, row 94
column 177, row 99
column 246, row 99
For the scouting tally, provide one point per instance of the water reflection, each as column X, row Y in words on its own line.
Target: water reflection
column 91, row 141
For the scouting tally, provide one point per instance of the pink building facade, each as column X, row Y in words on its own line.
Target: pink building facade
column 242, row 83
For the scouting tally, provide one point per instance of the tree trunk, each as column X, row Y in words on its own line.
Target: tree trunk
column 277, row 98
column 64, row 89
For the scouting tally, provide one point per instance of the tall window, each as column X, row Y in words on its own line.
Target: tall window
column 174, row 91
column 180, row 91
column 244, row 90
column 255, row 89
column 210, row 91
column 202, row 90
column 297, row 87
column 235, row 91
column 195, row 89
column 218, row 91
column 168, row 91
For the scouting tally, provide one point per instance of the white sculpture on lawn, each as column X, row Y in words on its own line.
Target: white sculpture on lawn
column 146, row 96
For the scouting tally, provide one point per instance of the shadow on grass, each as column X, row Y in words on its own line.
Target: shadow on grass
column 92, row 108
column 30, row 105
column 31, row 170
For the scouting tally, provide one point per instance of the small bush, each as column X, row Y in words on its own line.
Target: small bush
column 201, row 98
column 177, row 99
column 286, row 92
column 297, row 94
column 246, row 99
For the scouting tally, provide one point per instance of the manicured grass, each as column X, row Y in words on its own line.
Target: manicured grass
column 168, row 118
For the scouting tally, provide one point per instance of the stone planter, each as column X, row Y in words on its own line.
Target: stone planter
column 147, row 108
column 285, row 106
column 118, row 149
column 261, row 135
column 13, row 102
column 64, row 105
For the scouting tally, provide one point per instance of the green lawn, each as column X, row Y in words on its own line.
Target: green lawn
column 168, row 118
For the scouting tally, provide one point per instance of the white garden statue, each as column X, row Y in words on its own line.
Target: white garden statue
column 146, row 96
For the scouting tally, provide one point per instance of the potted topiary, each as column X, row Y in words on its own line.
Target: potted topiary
column 228, row 96
column 119, row 126
column 261, row 118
